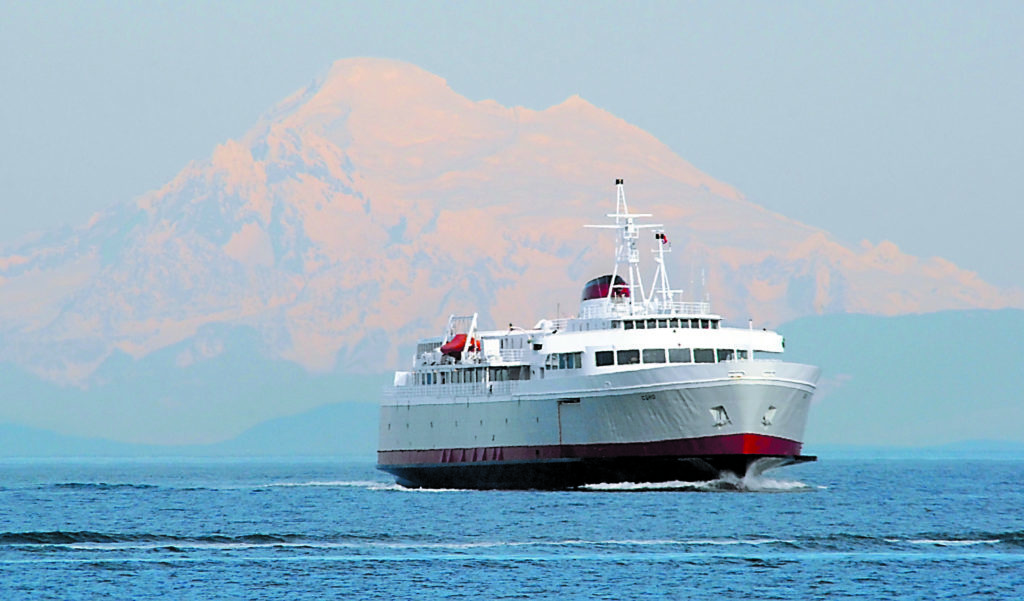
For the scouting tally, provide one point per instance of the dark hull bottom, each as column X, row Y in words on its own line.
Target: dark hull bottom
column 554, row 474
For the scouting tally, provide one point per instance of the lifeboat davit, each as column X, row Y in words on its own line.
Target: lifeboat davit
column 458, row 343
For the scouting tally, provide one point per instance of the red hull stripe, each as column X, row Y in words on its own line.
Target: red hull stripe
column 732, row 444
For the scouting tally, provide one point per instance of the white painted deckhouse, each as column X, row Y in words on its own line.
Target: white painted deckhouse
column 641, row 386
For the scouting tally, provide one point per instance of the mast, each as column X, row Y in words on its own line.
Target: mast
column 627, row 255
column 661, row 272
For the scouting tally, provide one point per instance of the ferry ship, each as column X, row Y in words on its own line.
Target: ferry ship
column 641, row 386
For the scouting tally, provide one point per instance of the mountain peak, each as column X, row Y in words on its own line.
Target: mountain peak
column 350, row 79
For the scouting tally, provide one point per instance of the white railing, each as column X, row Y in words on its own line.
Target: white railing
column 512, row 355
column 560, row 324
column 450, row 391
column 655, row 307
column 681, row 307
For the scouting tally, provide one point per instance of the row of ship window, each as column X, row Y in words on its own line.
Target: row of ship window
column 575, row 361
column 473, row 375
column 645, row 356
column 668, row 322
column 658, row 355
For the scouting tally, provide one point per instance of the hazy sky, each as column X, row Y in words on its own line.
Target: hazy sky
column 897, row 121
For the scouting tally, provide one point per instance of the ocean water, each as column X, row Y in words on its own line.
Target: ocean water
column 319, row 529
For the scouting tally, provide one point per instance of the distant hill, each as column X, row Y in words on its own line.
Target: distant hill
column 972, row 449
column 228, row 386
column 337, row 430
column 23, row 441
column 914, row 380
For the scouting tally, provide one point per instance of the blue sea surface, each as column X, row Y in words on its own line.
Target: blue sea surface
column 323, row 529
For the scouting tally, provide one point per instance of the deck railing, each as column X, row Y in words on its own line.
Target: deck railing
column 657, row 306
column 450, row 391
column 512, row 355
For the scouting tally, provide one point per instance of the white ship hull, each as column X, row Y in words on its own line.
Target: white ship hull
column 665, row 423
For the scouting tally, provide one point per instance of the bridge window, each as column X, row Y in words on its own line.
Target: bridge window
column 654, row 355
column 679, row 355
column 564, row 361
column 662, row 323
column 640, row 324
column 628, row 324
column 629, row 357
column 703, row 355
column 652, row 323
column 604, row 358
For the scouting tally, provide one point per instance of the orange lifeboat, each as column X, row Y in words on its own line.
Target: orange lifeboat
column 457, row 344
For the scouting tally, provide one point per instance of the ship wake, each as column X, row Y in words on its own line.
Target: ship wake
column 753, row 481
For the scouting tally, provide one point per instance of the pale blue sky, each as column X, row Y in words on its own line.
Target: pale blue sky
column 873, row 120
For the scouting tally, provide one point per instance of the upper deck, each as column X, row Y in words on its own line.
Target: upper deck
column 621, row 325
column 590, row 343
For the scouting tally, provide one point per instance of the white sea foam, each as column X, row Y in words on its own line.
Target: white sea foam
column 951, row 543
column 364, row 484
column 671, row 485
column 728, row 482
column 331, row 483
column 761, row 483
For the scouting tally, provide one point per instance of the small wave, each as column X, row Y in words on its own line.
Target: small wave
column 100, row 541
column 851, row 542
column 367, row 484
column 1015, row 539
column 100, row 486
column 53, row 538
column 951, row 543
column 714, row 542
column 372, row 485
column 966, row 539
column 69, row 538
column 367, row 542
